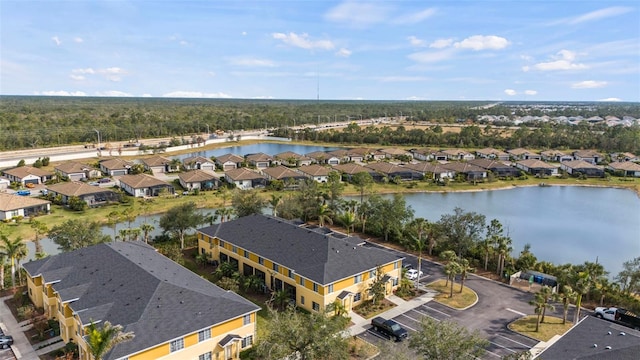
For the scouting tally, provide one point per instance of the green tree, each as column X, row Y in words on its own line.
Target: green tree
column 274, row 202
column 180, row 219
column 334, row 187
column 146, row 230
column 313, row 336
column 378, row 288
column 494, row 232
column 446, row 340
column 39, row 229
column 465, row 269
column 629, row 276
column 363, row 182
column 451, row 269
column 348, row 220
column 324, row 215
column 100, row 340
column 462, row 229
column 526, row 260
column 419, row 227
column 567, row 296
column 247, row 202
column 113, row 218
column 540, row 302
column 76, row 234
column 390, row 215
column 13, row 248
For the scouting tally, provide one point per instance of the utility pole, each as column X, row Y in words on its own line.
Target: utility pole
column 98, row 132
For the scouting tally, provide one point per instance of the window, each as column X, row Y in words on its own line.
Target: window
column 357, row 297
column 315, row 306
column 395, row 265
column 301, row 281
column 291, row 272
column 246, row 320
column 221, row 243
column 260, row 261
column 302, row 300
column 176, row 345
column 204, row 335
column 246, row 254
column 234, row 249
column 205, row 356
column 357, row 279
column 315, row 287
column 276, row 267
column 372, row 274
column 395, row 281
column 331, row 288
column 248, row 341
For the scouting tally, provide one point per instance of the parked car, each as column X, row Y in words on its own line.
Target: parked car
column 93, row 183
column 6, row 341
column 104, row 180
column 24, row 192
column 389, row 328
column 30, row 185
column 413, row 274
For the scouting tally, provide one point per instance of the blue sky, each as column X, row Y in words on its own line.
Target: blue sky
column 371, row 50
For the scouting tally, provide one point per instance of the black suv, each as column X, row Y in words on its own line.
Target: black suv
column 389, row 327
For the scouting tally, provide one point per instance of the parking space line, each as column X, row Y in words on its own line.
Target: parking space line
column 409, row 317
column 516, row 312
column 406, row 326
column 517, row 342
column 443, row 313
column 504, row 347
column 376, row 334
column 492, row 353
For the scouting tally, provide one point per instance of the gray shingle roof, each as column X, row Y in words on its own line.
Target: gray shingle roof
column 130, row 284
column 321, row 258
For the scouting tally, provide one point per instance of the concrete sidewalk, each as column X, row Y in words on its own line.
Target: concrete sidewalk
column 21, row 347
column 361, row 324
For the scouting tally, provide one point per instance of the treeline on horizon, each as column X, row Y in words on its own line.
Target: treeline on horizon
column 30, row 122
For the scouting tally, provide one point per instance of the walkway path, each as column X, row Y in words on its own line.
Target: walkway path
column 21, row 346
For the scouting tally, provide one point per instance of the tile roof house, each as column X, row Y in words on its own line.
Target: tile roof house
column 289, row 158
column 391, row 171
column 28, row 175
column 592, row 339
column 498, row 168
column 159, row 164
column 92, row 195
column 468, row 171
column 316, row 172
column 625, row 168
column 283, row 173
column 394, row 153
column 433, row 171
column 173, row 312
column 229, row 161
column 198, row 163
column 625, row 156
column 350, row 169
column 457, row 154
column 115, row 167
column 366, row 154
column 259, row 160
column 424, row 154
column 523, row 154
column 198, row 179
column 555, row 156
column 590, row 156
column 537, row 167
column 142, row 185
column 75, row 171
column 323, row 157
column 577, row 167
column 316, row 269
column 15, row 206
column 491, row 153
column 244, row 178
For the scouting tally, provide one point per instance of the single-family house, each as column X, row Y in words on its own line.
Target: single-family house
column 259, row 161
column 624, row 168
column 4, row 183
column 340, row 154
column 433, row 171
column 468, row 172
column 537, row 167
column 76, row 171
column 577, row 167
column 590, row 156
column 115, row 167
column 172, row 312
column 424, row 154
column 159, row 164
column 350, row 169
column 142, row 185
column 625, row 156
column 523, row 154
column 244, row 178
column 457, row 154
column 92, row 195
column 323, row 157
column 367, row 154
column 440, row 156
column 289, row 158
column 395, row 153
column 198, row 163
column 498, row 168
column 198, row 179
column 316, row 269
column 555, row 156
column 491, row 153
column 12, row 206
column 284, row 174
column 229, row 161
column 316, row 172
column 28, row 175
column 393, row 171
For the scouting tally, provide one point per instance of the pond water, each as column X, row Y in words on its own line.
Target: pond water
column 267, row 148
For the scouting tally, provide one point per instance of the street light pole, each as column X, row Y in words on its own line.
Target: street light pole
column 98, row 132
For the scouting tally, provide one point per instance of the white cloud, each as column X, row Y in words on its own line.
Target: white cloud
column 83, row 71
column 414, row 41
column 56, row 40
column 358, row 13
column 431, row 56
column 147, row 95
column 441, row 43
column 196, row 94
column 415, row 98
column 113, row 93
column 244, row 33
column 589, row 84
column 112, row 73
column 183, row 43
column 303, row 41
column 251, row 62
column 415, row 18
column 343, row 52
column 526, row 57
column 403, row 78
column 531, row 92
column 61, row 93
column 78, row 40
column 211, row 73
column 483, row 42
column 601, row 14
column 77, row 77
column 611, row 99
column 263, row 97
column 510, row 92
column 564, row 60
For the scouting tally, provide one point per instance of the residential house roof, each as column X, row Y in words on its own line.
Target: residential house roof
column 491, row 151
column 455, row 152
column 536, row 164
column 116, row 163
column 520, row 151
column 140, row 181
column 624, row 165
column 72, row 167
column 352, row 168
column 131, row 284
column 425, row 167
column 281, row 172
column 243, row 174
column 229, row 158
column 319, row 155
column 290, row 155
column 339, row 153
column 9, row 202
column 75, row 188
column 580, row 164
column 24, row 171
column 196, row 176
column 321, row 258
column 196, row 160
column 595, row 339
column 552, row 153
column 156, row 161
column 587, row 154
column 394, row 151
column 463, row 167
column 489, row 164
column 259, row 157
column 387, row 168
column 315, row 170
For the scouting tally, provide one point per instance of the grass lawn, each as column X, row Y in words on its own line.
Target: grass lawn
column 459, row 300
column 552, row 326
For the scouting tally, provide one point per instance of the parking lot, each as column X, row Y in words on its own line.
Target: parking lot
column 7, row 354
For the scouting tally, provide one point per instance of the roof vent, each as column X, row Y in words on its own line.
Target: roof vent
column 595, row 345
column 608, row 332
column 181, row 302
column 622, row 333
column 354, row 248
column 608, row 347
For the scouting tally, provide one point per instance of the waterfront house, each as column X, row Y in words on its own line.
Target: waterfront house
column 577, row 167
column 92, row 195
column 395, row 153
column 498, row 168
column 172, row 312
column 12, row 206
column 366, row 154
column 284, row 174
column 142, row 185
column 392, row 171
column 491, row 153
column 537, row 167
column 350, row 169
column 289, row 158
column 625, row 156
column 28, row 175
column 259, row 161
column 198, row 179
column 459, row 155
column 468, row 172
column 317, row 268
column 75, row 171
column 316, row 172
column 523, row 154
column 555, row 156
column 198, row 163
column 323, row 157
column 244, row 178
column 159, row 164
column 624, row 168
column 115, row 167
column 340, row 154
column 229, row 161
column 590, row 156
column 432, row 171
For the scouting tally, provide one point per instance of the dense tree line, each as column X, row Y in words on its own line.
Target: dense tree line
column 28, row 122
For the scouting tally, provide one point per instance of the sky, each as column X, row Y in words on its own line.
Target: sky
column 562, row 50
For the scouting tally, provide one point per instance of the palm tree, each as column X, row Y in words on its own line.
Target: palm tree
column 503, row 249
column 275, row 202
column 224, row 214
column 146, row 230
column 3, row 261
column 101, row 340
column 13, row 249
column 348, row 220
column 21, row 253
column 465, row 269
column 567, row 296
column 39, row 228
column 451, row 269
column 324, row 215
column 583, row 284
column 541, row 303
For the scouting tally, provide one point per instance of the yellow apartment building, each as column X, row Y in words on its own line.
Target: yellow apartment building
column 173, row 313
column 314, row 265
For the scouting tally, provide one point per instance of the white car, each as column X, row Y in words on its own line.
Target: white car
column 413, row 274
